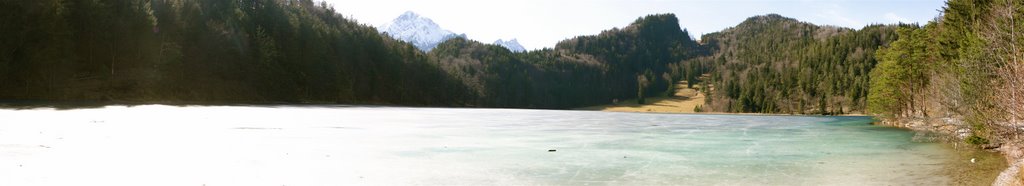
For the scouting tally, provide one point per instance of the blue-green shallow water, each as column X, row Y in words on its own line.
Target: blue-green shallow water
column 435, row 146
column 632, row 148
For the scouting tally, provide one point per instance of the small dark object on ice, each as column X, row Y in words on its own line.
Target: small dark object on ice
column 552, row 150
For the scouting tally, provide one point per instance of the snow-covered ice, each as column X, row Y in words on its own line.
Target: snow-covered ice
column 340, row 145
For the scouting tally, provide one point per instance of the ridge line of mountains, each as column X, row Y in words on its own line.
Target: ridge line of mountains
column 267, row 51
column 423, row 33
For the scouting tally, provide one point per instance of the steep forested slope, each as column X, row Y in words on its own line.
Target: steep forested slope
column 298, row 51
column 538, row 79
column 585, row 70
column 208, row 52
column 775, row 64
column 295, row 51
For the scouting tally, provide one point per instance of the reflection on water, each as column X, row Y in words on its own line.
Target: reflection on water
column 431, row 146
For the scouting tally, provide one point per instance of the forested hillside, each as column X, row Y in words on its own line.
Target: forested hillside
column 264, row 51
column 538, row 79
column 298, row 51
column 586, row 70
column 775, row 64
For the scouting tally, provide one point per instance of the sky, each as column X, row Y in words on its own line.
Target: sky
column 542, row 23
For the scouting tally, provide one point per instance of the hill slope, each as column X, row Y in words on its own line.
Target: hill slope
column 586, row 70
column 208, row 52
column 775, row 64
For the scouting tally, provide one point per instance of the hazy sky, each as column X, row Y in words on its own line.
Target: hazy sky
column 542, row 23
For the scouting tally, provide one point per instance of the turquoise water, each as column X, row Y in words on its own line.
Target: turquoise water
column 435, row 146
column 632, row 148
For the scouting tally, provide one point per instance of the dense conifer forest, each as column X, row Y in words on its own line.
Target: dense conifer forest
column 775, row 64
column 961, row 73
column 582, row 71
column 208, row 52
column 301, row 51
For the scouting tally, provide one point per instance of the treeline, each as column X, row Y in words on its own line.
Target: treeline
column 538, row 79
column 775, row 64
column 258, row 51
column 966, row 65
column 299, row 51
column 588, row 70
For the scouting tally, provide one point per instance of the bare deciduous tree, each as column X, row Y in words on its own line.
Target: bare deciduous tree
column 1004, row 46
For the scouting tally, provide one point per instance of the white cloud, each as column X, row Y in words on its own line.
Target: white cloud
column 833, row 15
column 892, row 17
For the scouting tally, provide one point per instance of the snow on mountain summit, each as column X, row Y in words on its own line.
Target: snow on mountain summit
column 512, row 45
column 418, row 30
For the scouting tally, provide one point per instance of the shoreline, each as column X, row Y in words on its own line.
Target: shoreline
column 944, row 130
column 683, row 100
column 968, row 164
column 953, row 132
column 971, row 166
column 960, row 170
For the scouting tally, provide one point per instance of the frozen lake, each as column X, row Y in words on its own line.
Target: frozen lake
column 238, row 145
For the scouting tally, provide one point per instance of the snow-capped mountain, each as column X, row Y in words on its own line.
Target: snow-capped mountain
column 512, row 45
column 420, row 31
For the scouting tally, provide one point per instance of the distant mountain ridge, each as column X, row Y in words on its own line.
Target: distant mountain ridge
column 767, row 64
column 418, row 30
column 210, row 52
column 512, row 45
column 423, row 33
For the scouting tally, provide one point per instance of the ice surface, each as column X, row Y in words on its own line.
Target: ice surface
column 164, row 145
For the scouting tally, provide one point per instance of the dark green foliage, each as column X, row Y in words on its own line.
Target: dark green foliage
column 586, row 70
column 774, row 64
column 298, row 51
column 536, row 79
column 671, row 90
column 976, row 140
column 961, row 65
column 209, row 52
column 645, row 47
column 902, row 73
column 642, row 83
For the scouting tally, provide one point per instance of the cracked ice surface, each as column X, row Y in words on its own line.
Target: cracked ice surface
column 341, row 145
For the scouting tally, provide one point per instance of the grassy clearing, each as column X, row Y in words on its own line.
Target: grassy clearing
column 683, row 101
